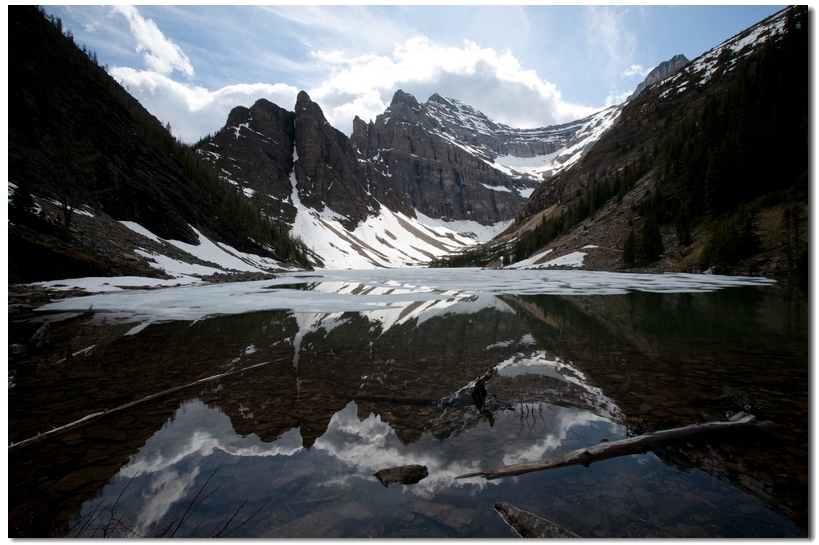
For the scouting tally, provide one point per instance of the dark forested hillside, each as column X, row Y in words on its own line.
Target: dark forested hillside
column 703, row 174
column 78, row 138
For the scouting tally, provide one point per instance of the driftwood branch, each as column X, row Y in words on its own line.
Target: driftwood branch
column 633, row 445
column 94, row 416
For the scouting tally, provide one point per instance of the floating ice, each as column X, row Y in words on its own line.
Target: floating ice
column 390, row 295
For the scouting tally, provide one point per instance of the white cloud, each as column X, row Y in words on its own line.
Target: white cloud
column 364, row 85
column 636, row 70
column 354, row 83
column 160, row 54
column 495, row 83
column 618, row 96
column 609, row 39
column 195, row 111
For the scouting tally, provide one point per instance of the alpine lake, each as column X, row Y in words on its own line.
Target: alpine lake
column 324, row 378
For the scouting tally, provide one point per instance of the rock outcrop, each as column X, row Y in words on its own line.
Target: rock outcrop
column 327, row 171
column 254, row 151
column 260, row 147
column 662, row 71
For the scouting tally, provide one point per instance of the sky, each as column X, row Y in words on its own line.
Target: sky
column 525, row 66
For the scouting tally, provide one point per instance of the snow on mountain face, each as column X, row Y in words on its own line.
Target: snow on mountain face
column 521, row 153
column 725, row 56
column 385, row 239
column 307, row 175
column 434, row 172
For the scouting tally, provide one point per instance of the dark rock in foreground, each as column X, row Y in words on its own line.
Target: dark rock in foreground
column 410, row 474
column 528, row 525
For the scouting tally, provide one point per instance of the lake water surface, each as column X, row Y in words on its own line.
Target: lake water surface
column 354, row 365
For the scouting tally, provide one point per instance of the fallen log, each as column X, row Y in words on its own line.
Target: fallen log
column 91, row 417
column 632, row 445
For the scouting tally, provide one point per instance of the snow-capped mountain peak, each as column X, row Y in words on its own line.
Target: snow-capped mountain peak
column 533, row 154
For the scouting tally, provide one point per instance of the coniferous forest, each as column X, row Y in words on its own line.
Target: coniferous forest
column 76, row 136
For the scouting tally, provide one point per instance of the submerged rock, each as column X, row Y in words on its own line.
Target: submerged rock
column 410, row 474
column 528, row 525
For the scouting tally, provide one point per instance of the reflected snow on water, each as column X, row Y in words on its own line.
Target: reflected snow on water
column 366, row 370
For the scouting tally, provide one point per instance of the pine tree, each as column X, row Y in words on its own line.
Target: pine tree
column 650, row 244
column 21, row 199
column 629, row 249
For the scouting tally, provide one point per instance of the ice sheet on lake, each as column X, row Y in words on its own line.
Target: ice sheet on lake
column 384, row 293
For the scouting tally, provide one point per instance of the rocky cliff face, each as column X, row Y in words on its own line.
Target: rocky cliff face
column 254, row 152
column 452, row 161
column 328, row 172
column 432, row 173
column 662, row 71
column 260, row 147
column 473, row 128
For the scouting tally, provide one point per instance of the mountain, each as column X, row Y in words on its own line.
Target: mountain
column 309, row 176
column 705, row 170
column 422, row 181
column 86, row 159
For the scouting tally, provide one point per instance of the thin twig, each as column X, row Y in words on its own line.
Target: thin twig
column 193, row 505
column 114, row 507
column 236, row 512
column 248, row 519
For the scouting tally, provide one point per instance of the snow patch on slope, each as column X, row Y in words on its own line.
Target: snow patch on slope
column 741, row 45
column 385, row 239
column 573, row 259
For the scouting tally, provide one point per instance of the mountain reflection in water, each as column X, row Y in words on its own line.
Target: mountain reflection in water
column 357, row 388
